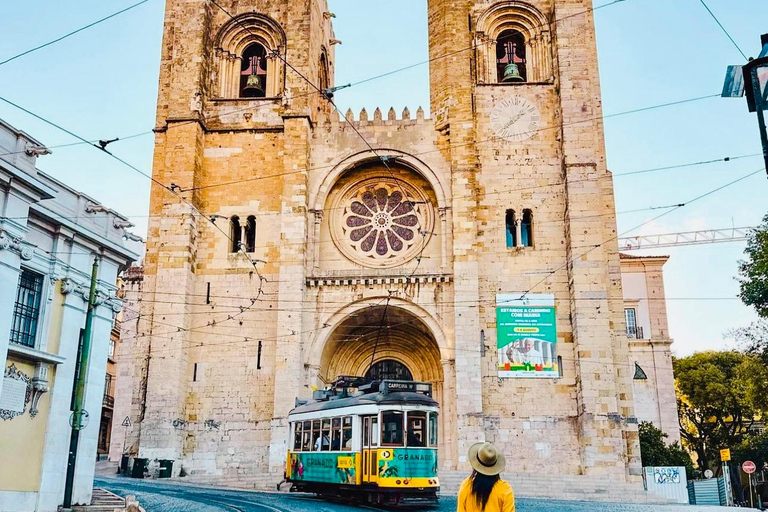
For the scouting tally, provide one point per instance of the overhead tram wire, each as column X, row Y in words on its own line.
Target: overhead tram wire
column 65, row 36
column 476, row 46
column 419, row 320
column 682, row 205
column 148, row 176
column 725, row 31
column 637, row 210
column 482, row 141
column 433, row 59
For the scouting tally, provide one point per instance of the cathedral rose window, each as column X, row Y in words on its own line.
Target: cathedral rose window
column 381, row 222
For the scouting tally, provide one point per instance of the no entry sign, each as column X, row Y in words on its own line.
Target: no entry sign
column 749, row 467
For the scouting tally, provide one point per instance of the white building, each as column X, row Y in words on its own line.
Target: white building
column 645, row 311
column 49, row 237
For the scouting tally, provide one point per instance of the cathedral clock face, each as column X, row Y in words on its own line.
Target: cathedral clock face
column 515, row 119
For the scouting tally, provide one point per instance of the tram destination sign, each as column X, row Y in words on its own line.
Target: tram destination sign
column 394, row 386
column 526, row 335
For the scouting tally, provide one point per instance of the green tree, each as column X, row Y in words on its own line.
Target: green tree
column 719, row 396
column 753, row 273
column 754, row 448
column 753, row 339
column 654, row 451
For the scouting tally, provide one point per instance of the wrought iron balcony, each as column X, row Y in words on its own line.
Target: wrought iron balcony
column 635, row 333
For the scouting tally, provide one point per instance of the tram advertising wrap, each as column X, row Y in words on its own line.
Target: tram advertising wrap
column 334, row 468
column 418, row 466
column 526, row 329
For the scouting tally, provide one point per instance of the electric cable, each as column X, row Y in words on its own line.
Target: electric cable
column 725, row 31
column 49, row 43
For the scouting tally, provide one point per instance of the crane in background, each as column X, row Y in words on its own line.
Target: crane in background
column 707, row 236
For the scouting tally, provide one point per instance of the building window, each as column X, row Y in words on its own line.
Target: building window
column 235, row 234
column 250, row 234
column 389, row 370
column 633, row 331
column 323, row 81
column 513, row 44
column 253, row 72
column 526, row 229
column 511, row 229
column 111, row 349
column 108, row 393
column 640, row 373
column 26, row 310
column 510, row 57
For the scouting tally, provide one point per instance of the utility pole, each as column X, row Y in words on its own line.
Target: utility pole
column 81, row 371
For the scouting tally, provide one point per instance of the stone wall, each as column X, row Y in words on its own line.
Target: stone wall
column 228, row 338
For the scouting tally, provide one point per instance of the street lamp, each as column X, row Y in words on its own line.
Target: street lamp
column 756, row 88
column 752, row 79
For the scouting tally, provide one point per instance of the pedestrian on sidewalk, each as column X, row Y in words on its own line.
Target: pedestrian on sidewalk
column 484, row 490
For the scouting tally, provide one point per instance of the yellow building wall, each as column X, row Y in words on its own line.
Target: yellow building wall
column 22, row 440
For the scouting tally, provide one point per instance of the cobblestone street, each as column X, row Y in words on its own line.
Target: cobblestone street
column 168, row 497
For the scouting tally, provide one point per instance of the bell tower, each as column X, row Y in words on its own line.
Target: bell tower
column 232, row 148
column 515, row 96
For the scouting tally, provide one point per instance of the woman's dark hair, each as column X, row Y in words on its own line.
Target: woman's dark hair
column 482, row 485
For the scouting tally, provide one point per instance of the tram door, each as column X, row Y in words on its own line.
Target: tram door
column 370, row 443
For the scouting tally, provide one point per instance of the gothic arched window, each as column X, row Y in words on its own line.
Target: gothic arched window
column 513, row 33
column 245, row 67
column 526, row 229
column 235, row 234
column 250, row 234
column 511, row 229
column 510, row 57
column 389, row 369
column 323, row 82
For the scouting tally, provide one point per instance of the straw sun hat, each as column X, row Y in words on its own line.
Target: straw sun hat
column 486, row 459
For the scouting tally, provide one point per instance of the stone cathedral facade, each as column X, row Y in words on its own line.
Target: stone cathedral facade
column 289, row 244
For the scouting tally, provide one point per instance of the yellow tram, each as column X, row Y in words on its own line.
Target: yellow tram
column 371, row 441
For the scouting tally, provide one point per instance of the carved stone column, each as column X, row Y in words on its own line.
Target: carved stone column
column 518, row 232
column 318, row 221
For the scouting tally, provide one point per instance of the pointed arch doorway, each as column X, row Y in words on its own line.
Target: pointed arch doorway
column 397, row 344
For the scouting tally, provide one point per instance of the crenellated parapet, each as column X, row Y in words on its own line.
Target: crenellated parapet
column 337, row 122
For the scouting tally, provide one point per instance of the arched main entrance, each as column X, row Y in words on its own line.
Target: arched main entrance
column 391, row 342
column 384, row 339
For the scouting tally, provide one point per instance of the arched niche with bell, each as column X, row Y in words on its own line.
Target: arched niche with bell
column 248, row 62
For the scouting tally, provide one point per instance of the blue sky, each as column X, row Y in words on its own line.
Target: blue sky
column 102, row 83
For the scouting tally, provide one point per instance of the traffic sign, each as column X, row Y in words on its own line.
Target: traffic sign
column 725, row 455
column 127, row 422
column 749, row 467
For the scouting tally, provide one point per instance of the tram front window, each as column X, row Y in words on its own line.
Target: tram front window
column 417, row 429
column 433, row 429
column 392, row 428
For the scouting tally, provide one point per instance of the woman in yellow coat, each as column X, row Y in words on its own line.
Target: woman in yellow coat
column 484, row 490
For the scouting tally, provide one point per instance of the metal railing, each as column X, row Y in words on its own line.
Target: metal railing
column 635, row 333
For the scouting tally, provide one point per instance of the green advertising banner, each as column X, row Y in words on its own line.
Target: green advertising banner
column 408, row 463
column 526, row 336
column 335, row 468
